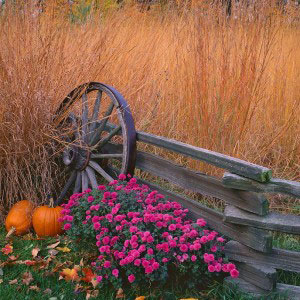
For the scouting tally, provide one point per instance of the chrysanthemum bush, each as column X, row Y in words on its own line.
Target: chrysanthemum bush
column 143, row 237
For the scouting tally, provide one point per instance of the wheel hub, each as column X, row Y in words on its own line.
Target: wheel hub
column 77, row 156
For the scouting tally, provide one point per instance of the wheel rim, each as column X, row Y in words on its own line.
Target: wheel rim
column 99, row 132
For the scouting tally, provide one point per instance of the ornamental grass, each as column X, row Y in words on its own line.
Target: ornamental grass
column 190, row 73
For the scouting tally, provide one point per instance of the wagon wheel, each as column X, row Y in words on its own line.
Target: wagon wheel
column 98, row 132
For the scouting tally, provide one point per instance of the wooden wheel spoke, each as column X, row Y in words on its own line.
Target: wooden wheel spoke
column 77, row 183
column 92, row 177
column 113, row 155
column 107, row 138
column 85, row 116
column 96, row 167
column 97, row 134
column 75, row 125
column 66, row 188
column 84, row 181
column 93, row 123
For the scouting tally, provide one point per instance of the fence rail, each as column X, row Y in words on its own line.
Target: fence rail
column 246, row 218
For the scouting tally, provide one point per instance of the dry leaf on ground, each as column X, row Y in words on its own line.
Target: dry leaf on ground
column 27, row 278
column 88, row 275
column 52, row 252
column 13, row 257
column 47, row 291
column 63, row 249
column 7, row 249
column 52, row 246
column 120, row 294
column 14, row 281
column 91, row 294
column 35, row 252
column 69, row 274
column 34, row 288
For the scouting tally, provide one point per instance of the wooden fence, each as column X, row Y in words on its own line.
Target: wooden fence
column 246, row 219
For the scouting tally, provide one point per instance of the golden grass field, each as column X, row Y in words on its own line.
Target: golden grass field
column 231, row 85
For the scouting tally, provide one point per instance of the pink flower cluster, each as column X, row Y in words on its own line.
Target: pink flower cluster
column 139, row 233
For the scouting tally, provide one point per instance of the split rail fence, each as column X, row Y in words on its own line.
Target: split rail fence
column 246, row 219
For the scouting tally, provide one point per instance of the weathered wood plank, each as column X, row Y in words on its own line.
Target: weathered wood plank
column 272, row 221
column 277, row 258
column 255, row 238
column 196, row 182
column 292, row 291
column 201, row 183
column 245, row 286
column 260, row 276
column 226, row 162
column 275, row 185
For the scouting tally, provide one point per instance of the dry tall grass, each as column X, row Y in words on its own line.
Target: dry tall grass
column 228, row 85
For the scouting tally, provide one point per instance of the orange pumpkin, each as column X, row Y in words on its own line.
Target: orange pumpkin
column 18, row 220
column 45, row 220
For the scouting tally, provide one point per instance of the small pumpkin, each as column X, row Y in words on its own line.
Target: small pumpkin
column 45, row 220
column 18, row 220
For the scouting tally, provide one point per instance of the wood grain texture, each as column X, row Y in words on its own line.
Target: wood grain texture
column 272, row 221
column 245, row 286
column 275, row 185
column 259, row 275
column 229, row 163
column 255, row 238
column 277, row 258
column 226, row 162
column 291, row 291
column 201, row 183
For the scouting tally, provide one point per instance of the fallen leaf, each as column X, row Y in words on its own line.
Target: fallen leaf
column 52, row 252
column 94, row 282
column 120, row 294
column 64, row 249
column 47, row 291
column 34, row 288
column 7, row 249
column 91, row 294
column 52, row 246
column 88, row 295
column 29, row 262
column 27, row 278
column 14, row 281
column 44, row 264
column 13, row 257
column 28, row 237
column 78, row 288
column 189, row 299
column 140, row 298
column 88, row 275
column 1, row 280
column 35, row 252
column 81, row 262
column 58, row 266
column 69, row 274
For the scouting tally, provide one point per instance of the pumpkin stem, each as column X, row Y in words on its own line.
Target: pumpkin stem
column 51, row 202
column 10, row 232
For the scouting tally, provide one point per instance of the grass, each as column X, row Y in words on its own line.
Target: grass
column 228, row 85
